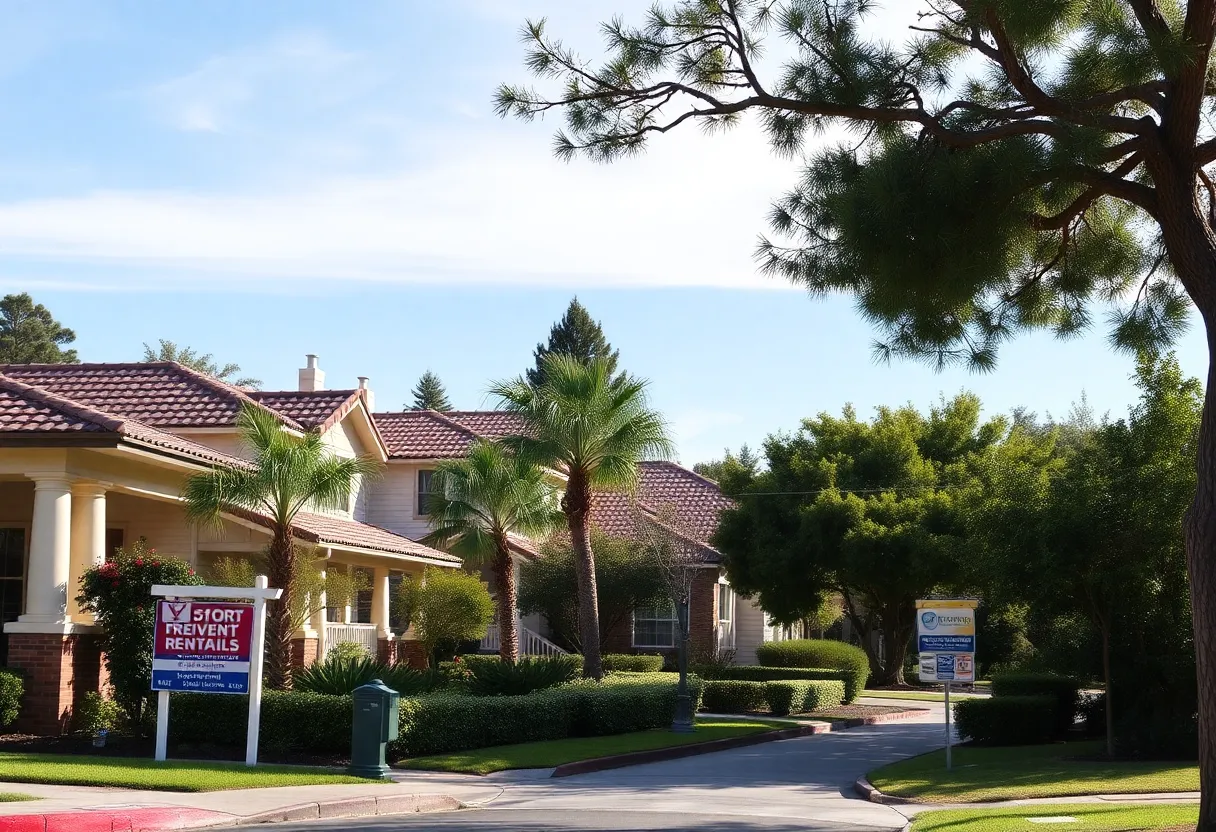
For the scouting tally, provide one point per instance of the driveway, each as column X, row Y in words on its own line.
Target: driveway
column 803, row 783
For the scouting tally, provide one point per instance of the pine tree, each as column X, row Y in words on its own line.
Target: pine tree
column 429, row 394
column 204, row 363
column 576, row 334
column 29, row 334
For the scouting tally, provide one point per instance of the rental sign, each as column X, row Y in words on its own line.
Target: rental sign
column 945, row 639
column 202, row 646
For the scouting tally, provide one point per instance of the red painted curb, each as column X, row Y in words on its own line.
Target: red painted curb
column 123, row 820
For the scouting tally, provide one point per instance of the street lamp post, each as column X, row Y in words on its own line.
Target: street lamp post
column 683, row 722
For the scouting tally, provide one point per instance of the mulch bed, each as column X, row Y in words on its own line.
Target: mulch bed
column 856, row 711
column 120, row 746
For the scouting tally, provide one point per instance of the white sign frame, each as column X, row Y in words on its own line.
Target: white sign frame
column 260, row 593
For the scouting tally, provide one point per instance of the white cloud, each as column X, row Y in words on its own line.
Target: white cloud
column 491, row 208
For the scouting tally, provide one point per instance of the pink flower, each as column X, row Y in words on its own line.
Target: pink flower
column 152, row 551
column 156, row 563
column 115, row 585
column 139, row 561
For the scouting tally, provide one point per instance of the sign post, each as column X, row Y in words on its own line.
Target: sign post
column 210, row 646
column 945, row 643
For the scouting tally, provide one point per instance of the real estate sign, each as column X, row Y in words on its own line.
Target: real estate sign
column 945, row 640
column 202, row 646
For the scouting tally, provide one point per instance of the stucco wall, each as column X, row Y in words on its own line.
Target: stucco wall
column 162, row 524
column 751, row 630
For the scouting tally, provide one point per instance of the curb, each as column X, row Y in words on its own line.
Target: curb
column 677, row 752
column 180, row 818
column 866, row 790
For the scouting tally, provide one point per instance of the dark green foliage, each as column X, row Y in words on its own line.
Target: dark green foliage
column 295, row 720
column 799, row 697
column 119, row 593
column 576, row 334
column 95, row 712
column 1002, row 640
column 204, row 363
column 528, row 674
column 1007, row 720
column 642, row 663
column 12, row 688
column 30, row 335
column 472, row 661
column 732, row 697
column 339, row 675
column 752, row 673
column 819, row 653
column 1065, row 691
column 626, row 577
column 745, row 464
column 429, row 394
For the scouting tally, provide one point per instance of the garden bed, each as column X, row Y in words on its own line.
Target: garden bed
column 845, row 712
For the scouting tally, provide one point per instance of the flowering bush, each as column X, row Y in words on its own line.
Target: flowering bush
column 119, row 594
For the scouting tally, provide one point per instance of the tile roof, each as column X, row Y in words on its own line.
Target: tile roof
column 423, row 434
column 26, row 409
column 326, row 530
column 488, row 423
column 160, row 394
column 311, row 409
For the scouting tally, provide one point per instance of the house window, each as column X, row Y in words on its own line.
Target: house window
column 424, row 492
column 726, row 615
column 361, row 610
column 12, row 580
column 654, row 625
column 115, row 540
column 397, row 622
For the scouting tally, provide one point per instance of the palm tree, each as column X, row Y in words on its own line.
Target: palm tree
column 476, row 504
column 288, row 474
column 592, row 428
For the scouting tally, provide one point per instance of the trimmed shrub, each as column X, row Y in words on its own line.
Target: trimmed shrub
column 294, row 720
column 819, row 653
column 753, row 673
column 733, row 697
column 339, row 675
column 472, row 661
column 12, row 686
column 1007, row 720
column 1065, row 691
column 642, row 663
column 343, row 650
column 96, row 713
column 527, row 675
column 799, row 697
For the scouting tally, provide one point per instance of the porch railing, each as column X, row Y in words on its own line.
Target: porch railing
column 362, row 634
column 531, row 643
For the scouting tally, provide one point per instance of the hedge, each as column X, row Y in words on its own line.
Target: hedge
column 799, row 697
column 473, row 659
column 1006, row 720
column 819, row 653
column 732, row 697
column 1065, row 692
column 642, row 663
column 753, row 673
column 12, row 686
column 438, row 722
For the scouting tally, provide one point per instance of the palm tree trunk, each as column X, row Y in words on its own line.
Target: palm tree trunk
column 577, row 504
column 508, row 628
column 282, row 568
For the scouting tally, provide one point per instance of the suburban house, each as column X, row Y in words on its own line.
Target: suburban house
column 94, row 456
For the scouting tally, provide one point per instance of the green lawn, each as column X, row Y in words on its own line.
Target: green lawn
column 13, row 797
column 916, row 695
column 172, row 776
column 1090, row 817
column 981, row 774
column 557, row 752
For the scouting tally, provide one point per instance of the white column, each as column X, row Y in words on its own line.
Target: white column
column 46, row 586
column 317, row 621
column 380, row 603
column 348, row 610
column 88, row 537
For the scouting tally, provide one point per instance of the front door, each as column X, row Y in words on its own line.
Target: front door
column 12, row 580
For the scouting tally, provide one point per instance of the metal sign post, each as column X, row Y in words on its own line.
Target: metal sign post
column 948, row 737
column 945, row 642
column 209, row 646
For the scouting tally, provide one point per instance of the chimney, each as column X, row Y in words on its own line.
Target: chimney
column 368, row 394
column 312, row 377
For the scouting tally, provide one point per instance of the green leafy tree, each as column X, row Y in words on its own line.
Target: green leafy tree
column 863, row 510
column 204, row 363
column 477, row 504
column 429, row 394
column 746, row 463
column 593, row 428
column 30, row 335
column 1018, row 165
column 119, row 594
column 576, row 334
column 287, row 474
column 626, row 577
column 446, row 607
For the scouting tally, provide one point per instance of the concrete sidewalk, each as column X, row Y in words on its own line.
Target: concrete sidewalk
column 82, row 809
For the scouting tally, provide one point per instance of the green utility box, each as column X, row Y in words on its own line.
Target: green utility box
column 375, row 726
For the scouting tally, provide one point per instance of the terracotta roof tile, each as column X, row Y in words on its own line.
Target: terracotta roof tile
column 326, row 530
column 160, row 394
column 310, row 409
column 488, row 423
column 423, row 434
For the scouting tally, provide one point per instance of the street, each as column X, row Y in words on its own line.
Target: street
column 801, row 784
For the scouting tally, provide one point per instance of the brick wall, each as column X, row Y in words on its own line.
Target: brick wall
column 411, row 653
column 702, row 625
column 59, row 670
column 304, row 651
column 386, row 651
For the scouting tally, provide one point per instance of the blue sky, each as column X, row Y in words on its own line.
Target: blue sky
column 262, row 180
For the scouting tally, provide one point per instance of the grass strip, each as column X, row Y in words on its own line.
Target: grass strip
column 1089, row 817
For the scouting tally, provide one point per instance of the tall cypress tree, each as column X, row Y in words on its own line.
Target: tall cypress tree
column 576, row 334
column 429, row 393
